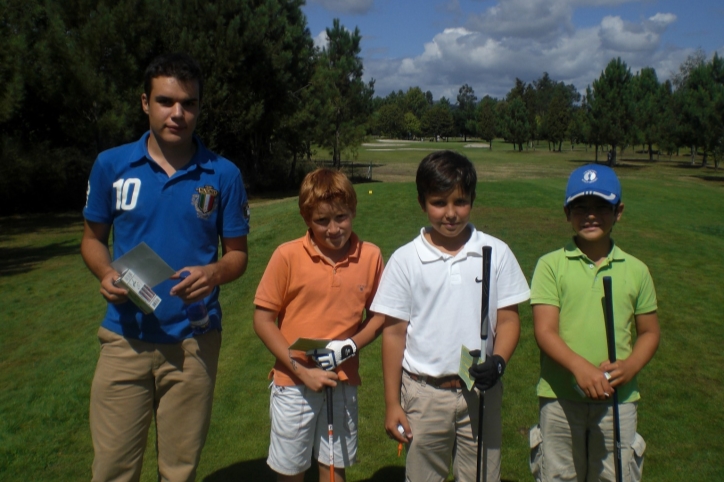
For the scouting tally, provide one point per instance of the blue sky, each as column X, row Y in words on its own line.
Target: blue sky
column 439, row 45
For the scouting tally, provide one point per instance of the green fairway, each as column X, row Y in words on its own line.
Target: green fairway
column 672, row 221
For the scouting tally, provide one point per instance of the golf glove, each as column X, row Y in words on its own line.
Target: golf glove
column 486, row 374
column 334, row 354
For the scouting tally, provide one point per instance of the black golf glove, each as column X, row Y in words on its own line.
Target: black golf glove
column 486, row 374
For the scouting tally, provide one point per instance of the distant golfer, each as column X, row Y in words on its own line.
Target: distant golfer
column 181, row 199
column 430, row 294
column 318, row 286
column 574, row 440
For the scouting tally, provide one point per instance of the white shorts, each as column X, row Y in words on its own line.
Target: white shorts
column 299, row 428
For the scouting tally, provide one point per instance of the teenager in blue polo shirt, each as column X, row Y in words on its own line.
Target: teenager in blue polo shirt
column 168, row 191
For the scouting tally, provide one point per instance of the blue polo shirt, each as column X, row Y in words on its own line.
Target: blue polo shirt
column 180, row 217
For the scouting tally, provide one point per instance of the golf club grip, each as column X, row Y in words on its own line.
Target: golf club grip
column 608, row 315
column 485, row 301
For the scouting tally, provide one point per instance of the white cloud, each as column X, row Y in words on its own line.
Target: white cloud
column 345, row 6
column 321, row 40
column 524, row 39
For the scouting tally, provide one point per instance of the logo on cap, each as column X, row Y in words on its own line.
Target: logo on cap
column 590, row 176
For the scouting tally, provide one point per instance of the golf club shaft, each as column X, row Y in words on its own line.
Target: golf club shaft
column 484, row 322
column 330, row 430
column 611, row 340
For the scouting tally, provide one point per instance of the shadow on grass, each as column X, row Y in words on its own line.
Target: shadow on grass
column 620, row 163
column 24, row 259
column 33, row 223
column 258, row 471
column 711, row 178
column 247, row 471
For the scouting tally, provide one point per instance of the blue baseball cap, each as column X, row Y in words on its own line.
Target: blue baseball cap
column 593, row 180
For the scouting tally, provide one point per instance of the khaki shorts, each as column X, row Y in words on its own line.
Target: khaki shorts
column 574, row 442
column 299, row 428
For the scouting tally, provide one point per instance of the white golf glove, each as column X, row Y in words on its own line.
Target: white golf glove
column 334, row 354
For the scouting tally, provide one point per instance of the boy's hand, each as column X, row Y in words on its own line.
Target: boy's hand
column 487, row 374
column 317, row 379
column 621, row 372
column 334, row 354
column 396, row 416
column 593, row 382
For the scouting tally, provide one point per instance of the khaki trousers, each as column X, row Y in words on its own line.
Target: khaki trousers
column 576, row 441
column 444, row 424
column 135, row 381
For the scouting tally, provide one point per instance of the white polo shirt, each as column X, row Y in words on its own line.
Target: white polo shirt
column 440, row 295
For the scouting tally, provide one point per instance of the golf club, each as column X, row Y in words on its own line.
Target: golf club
column 330, row 430
column 484, row 322
column 611, row 339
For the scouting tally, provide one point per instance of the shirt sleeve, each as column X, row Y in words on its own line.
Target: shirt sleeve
column 394, row 297
column 272, row 289
column 379, row 267
column 544, row 290
column 646, row 301
column 512, row 286
column 99, row 195
column 234, row 219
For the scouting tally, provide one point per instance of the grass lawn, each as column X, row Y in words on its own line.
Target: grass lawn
column 672, row 221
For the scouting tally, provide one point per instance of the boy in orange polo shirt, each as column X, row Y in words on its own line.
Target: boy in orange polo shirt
column 318, row 286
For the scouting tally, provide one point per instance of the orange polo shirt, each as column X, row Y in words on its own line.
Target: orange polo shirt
column 314, row 299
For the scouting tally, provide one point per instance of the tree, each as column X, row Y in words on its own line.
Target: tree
column 648, row 107
column 415, row 102
column 611, row 106
column 413, row 127
column 465, row 113
column 486, row 119
column 391, row 121
column 557, row 120
column 258, row 59
column 437, row 121
column 517, row 125
column 346, row 99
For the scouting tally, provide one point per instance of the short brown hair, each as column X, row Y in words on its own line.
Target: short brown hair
column 326, row 186
column 443, row 171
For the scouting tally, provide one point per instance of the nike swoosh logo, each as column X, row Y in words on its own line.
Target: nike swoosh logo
column 478, row 280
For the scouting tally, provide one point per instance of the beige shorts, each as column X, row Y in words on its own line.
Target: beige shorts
column 299, row 428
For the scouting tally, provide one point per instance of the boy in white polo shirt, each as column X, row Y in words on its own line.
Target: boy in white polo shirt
column 430, row 295
column 574, row 441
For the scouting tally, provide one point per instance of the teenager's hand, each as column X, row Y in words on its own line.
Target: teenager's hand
column 334, row 354
column 621, row 372
column 395, row 416
column 487, row 374
column 593, row 382
column 112, row 293
column 196, row 283
column 316, row 379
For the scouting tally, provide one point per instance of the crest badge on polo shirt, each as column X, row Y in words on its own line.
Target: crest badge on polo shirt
column 205, row 201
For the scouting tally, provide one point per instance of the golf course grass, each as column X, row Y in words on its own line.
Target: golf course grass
column 50, row 310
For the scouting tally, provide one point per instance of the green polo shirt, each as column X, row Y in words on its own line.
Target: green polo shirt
column 566, row 278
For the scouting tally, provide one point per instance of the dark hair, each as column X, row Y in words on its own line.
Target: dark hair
column 443, row 171
column 177, row 65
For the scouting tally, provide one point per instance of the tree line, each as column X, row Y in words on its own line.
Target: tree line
column 71, row 77
column 619, row 109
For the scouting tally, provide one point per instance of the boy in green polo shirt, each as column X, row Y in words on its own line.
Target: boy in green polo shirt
column 574, row 440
